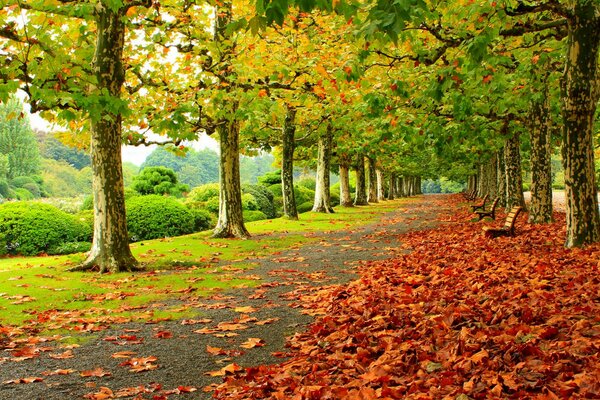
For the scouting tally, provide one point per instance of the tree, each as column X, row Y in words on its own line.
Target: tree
column 51, row 147
column 158, row 180
column 17, row 141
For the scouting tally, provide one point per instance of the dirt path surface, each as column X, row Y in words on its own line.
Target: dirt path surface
column 242, row 327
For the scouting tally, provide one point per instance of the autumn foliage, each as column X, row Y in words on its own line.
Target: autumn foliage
column 456, row 316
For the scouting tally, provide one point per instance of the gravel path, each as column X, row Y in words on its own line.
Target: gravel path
column 225, row 322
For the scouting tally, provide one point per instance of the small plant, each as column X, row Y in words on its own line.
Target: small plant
column 153, row 216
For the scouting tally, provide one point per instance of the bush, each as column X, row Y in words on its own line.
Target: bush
column 309, row 183
column 158, row 180
column 263, row 197
column 21, row 181
column 249, row 202
column 88, row 203
column 4, row 190
column 33, row 188
column 203, row 219
column 304, row 207
column 154, row 216
column 212, row 205
column 72, row 247
column 270, row 178
column 254, row 215
column 30, row 228
column 303, row 194
column 276, row 190
column 204, row 193
column 335, row 199
column 22, row 194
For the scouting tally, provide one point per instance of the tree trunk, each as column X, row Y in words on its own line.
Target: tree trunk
column 322, row 194
column 345, row 197
column 540, row 208
column 360, row 198
column 380, row 183
column 392, row 186
column 580, row 91
column 372, row 197
column 401, row 186
column 514, row 180
column 287, row 165
column 501, row 177
column 231, row 218
column 110, row 247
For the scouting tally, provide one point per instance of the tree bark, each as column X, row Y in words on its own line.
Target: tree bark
column 110, row 250
column 540, row 208
column 287, row 165
column 392, row 186
column 360, row 197
column 380, row 185
column 400, row 183
column 372, row 196
column 501, row 177
column 322, row 192
column 231, row 218
column 514, row 179
column 345, row 197
column 580, row 91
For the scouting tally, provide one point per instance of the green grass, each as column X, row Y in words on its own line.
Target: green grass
column 38, row 292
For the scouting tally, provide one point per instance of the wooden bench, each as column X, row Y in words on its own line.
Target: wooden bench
column 470, row 195
column 509, row 225
column 489, row 213
column 480, row 206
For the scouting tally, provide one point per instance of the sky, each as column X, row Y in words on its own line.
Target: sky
column 136, row 154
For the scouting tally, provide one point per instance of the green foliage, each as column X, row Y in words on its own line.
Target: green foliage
column 63, row 180
column 19, row 181
column 23, row 194
column 305, row 207
column 254, row 215
column 203, row 219
column 309, row 183
column 251, row 168
column 303, row 194
column 155, row 216
column 441, row 185
column 30, row 228
column 195, row 168
column 17, row 141
column 276, row 189
column 270, row 178
column 51, row 147
column 88, row 203
column 263, row 197
column 204, row 192
column 33, row 188
column 158, row 180
column 249, row 202
column 71, row 248
column 4, row 190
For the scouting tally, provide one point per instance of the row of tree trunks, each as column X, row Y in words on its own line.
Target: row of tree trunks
column 380, row 185
column 322, row 201
column 372, row 195
column 360, row 196
column 540, row 208
column 345, row 196
column 287, row 165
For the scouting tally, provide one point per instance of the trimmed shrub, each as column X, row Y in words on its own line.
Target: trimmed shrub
column 30, row 228
column 203, row 219
column 249, row 202
column 303, row 194
column 254, row 215
column 23, row 194
column 270, row 178
column 276, row 190
column 154, row 216
column 33, row 188
column 203, row 193
column 72, row 247
column 21, row 181
column 4, row 190
column 304, row 207
column 335, row 199
column 309, row 183
column 263, row 197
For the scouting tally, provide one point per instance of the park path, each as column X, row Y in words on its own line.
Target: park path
column 195, row 352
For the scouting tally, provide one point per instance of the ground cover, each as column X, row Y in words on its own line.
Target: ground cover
column 460, row 316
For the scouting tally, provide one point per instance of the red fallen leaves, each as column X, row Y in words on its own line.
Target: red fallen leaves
column 460, row 316
column 96, row 372
column 21, row 381
column 141, row 364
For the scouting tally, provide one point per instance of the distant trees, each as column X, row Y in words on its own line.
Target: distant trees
column 17, row 142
